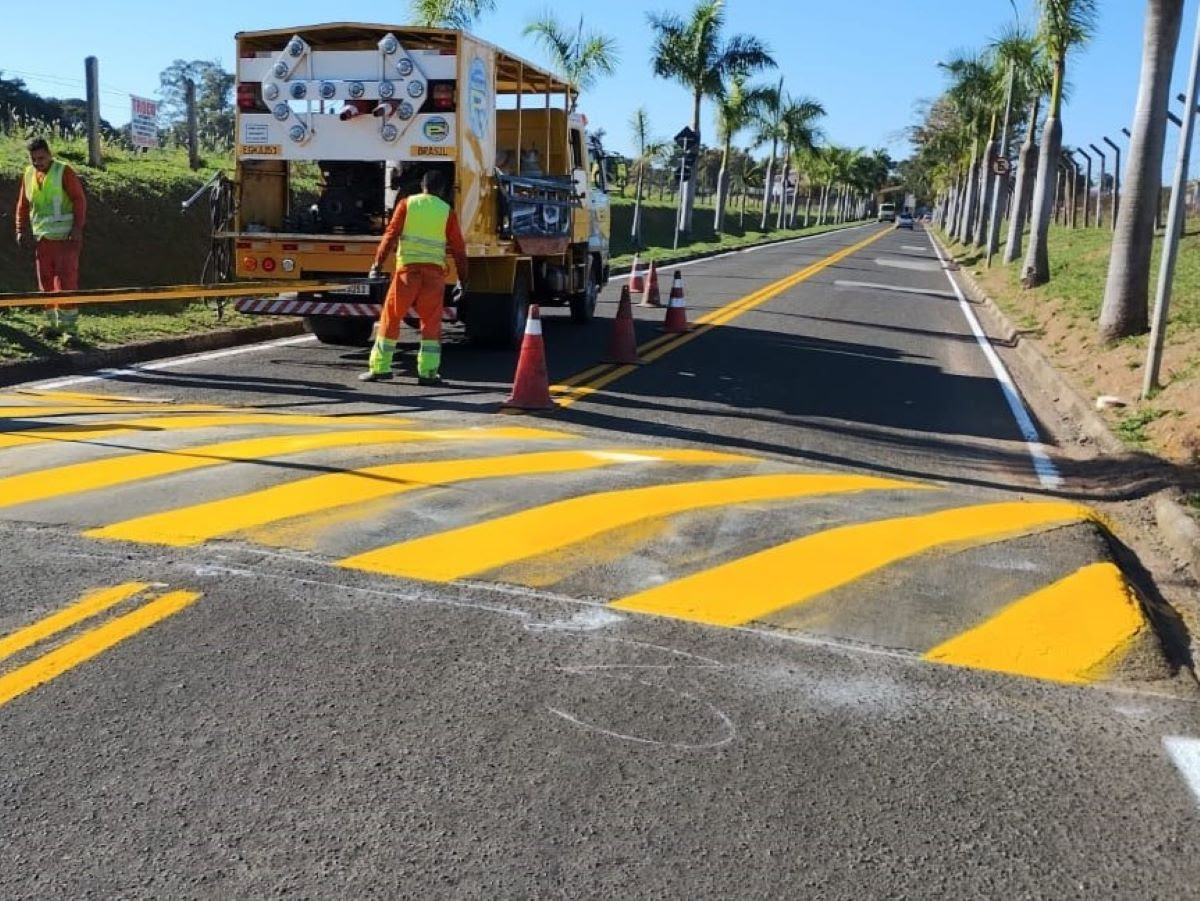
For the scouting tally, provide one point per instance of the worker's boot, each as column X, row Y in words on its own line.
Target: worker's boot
column 429, row 361
column 379, row 364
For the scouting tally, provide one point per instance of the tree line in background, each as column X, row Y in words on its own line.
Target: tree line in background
column 1026, row 71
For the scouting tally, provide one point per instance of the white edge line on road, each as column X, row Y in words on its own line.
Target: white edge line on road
column 1047, row 472
column 1185, row 754
column 172, row 363
column 730, row 253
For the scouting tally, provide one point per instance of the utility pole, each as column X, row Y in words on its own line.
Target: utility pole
column 1166, row 274
column 189, row 96
column 1116, row 191
column 91, row 68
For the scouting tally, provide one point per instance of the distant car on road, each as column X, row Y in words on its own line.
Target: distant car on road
column 904, row 220
column 887, row 212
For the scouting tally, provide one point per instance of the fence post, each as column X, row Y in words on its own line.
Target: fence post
column 91, row 67
column 193, row 143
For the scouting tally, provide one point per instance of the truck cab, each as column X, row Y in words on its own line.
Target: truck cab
column 336, row 123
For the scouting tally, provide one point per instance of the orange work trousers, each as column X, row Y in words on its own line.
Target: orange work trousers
column 421, row 286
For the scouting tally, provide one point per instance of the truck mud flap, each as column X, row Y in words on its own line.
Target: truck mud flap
column 278, row 307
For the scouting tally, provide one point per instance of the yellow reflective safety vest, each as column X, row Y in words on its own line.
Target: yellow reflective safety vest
column 424, row 237
column 51, row 212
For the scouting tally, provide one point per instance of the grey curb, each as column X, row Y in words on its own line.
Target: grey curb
column 1175, row 525
column 126, row 354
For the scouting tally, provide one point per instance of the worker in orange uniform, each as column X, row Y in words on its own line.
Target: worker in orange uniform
column 52, row 206
column 425, row 227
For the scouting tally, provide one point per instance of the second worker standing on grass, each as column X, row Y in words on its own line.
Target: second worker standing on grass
column 426, row 228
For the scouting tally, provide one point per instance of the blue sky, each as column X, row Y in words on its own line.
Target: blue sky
column 868, row 61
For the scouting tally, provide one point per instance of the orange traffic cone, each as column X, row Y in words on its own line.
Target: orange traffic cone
column 622, row 344
column 637, row 284
column 651, row 298
column 676, row 322
column 531, row 384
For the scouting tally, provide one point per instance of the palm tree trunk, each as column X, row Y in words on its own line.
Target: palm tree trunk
column 783, row 185
column 636, row 231
column 966, row 230
column 1127, row 291
column 985, row 196
column 825, row 189
column 795, row 204
column 722, row 188
column 1021, row 191
column 1036, row 270
column 807, row 205
column 689, row 186
column 767, row 179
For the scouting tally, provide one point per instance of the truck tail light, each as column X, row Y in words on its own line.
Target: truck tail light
column 443, row 96
column 288, row 265
column 247, row 96
column 249, row 264
column 268, row 265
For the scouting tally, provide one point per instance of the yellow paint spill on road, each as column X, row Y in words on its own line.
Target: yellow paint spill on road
column 191, row 525
column 88, row 606
column 753, row 587
column 91, row 643
column 544, row 530
column 1065, row 632
column 95, row 474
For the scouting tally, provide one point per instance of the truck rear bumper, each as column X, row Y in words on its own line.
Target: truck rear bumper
column 276, row 306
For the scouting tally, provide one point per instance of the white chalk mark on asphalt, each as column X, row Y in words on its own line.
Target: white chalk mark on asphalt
column 912, row 249
column 172, row 363
column 589, row 620
column 1047, row 473
column 899, row 289
column 1185, row 754
column 915, row 265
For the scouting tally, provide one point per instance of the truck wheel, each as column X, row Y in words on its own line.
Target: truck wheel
column 583, row 304
column 498, row 320
column 345, row 331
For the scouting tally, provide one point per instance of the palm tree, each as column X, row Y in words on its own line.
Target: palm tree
column 461, row 14
column 1014, row 56
column 769, row 127
column 1065, row 25
column 1036, row 77
column 798, row 119
column 748, row 173
column 971, row 92
column 693, row 53
column 580, row 58
column 736, row 109
column 648, row 149
column 1126, row 293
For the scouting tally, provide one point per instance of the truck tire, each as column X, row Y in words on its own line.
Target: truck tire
column 583, row 304
column 498, row 320
column 344, row 331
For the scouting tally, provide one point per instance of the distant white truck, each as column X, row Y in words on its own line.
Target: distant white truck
column 887, row 212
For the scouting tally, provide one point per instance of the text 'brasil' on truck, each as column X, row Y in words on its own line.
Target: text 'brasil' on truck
column 368, row 109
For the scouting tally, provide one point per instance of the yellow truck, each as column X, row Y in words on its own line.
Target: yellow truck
column 365, row 110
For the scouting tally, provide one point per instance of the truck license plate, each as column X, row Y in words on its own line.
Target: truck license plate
column 362, row 290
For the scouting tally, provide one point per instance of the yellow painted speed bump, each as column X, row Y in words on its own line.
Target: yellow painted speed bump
column 748, row 589
column 95, row 474
column 1066, row 632
column 194, row 524
column 473, row 549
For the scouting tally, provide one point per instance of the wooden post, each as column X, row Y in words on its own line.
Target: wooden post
column 91, row 67
column 192, row 139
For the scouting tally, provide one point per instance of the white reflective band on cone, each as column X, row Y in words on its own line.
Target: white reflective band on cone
column 533, row 327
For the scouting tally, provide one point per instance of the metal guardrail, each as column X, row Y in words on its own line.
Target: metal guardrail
column 165, row 293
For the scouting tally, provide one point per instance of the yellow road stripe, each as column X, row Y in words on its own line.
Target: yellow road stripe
column 89, row 431
column 91, row 643
column 1065, row 632
column 477, row 548
column 37, row 411
column 191, row 525
column 79, row 477
column 755, row 586
column 580, row 386
column 88, row 606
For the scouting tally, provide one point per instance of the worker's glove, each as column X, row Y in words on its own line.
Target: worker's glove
column 456, row 295
column 375, row 271
column 20, row 239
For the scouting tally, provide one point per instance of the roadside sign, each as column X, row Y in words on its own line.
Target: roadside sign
column 143, row 122
column 1001, row 166
column 686, row 137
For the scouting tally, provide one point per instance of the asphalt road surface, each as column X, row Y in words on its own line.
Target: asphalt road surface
column 810, row 604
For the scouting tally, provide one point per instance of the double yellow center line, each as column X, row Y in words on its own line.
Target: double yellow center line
column 598, row 377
